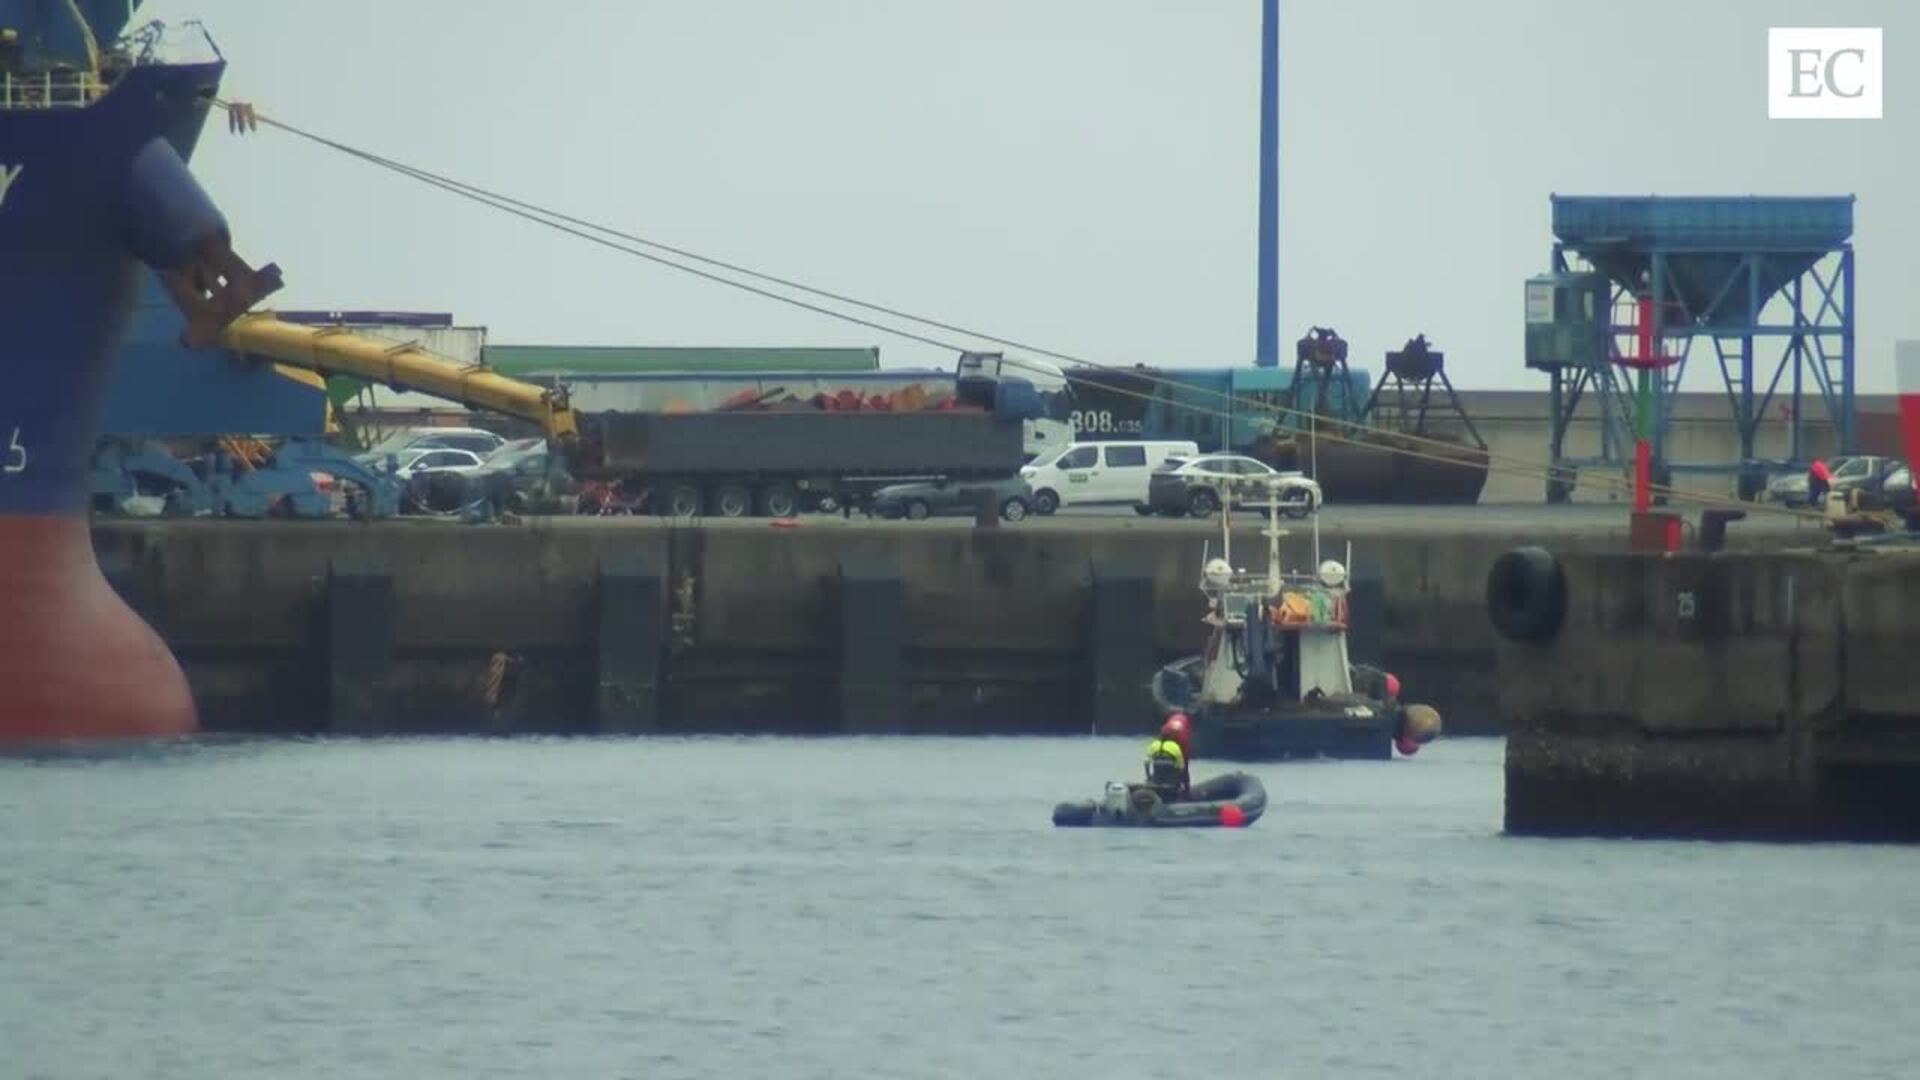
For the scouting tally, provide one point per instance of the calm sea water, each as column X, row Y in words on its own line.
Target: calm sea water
column 899, row 908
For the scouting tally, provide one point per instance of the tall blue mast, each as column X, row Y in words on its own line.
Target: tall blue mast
column 1266, row 350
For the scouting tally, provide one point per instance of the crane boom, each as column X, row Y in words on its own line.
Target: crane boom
column 333, row 349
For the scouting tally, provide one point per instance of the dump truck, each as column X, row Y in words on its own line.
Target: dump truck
column 776, row 463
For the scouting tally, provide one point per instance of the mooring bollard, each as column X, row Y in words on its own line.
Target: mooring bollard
column 986, row 509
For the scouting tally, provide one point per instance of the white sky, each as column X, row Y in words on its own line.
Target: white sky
column 1079, row 174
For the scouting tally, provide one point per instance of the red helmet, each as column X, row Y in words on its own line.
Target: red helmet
column 1175, row 728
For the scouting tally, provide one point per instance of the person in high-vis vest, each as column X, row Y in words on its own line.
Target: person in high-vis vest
column 1168, row 760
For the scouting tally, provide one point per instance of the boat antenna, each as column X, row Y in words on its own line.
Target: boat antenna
column 1226, row 525
column 1316, row 538
column 1313, row 464
column 1274, row 533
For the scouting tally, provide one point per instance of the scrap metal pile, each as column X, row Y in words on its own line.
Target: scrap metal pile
column 914, row 397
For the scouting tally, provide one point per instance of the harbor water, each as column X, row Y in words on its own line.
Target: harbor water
column 898, row 908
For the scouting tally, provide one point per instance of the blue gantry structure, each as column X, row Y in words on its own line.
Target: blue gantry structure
column 1768, row 281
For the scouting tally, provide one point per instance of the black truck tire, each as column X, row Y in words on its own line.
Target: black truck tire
column 732, row 501
column 683, row 500
column 779, row 500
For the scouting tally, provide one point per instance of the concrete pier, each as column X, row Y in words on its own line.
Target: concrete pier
column 1714, row 695
column 592, row 625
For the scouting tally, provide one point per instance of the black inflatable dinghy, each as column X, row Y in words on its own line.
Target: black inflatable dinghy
column 1235, row 799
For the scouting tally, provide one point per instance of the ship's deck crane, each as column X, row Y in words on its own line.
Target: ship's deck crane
column 244, row 478
column 336, row 350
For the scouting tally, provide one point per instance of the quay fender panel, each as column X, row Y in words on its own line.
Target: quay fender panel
column 1527, row 595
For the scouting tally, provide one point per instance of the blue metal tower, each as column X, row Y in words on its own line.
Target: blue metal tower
column 1266, row 348
column 1769, row 281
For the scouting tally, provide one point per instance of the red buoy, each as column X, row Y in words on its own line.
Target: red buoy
column 1393, row 686
column 75, row 661
column 1232, row 816
column 1407, row 745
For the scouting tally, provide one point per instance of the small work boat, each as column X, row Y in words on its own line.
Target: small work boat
column 1275, row 681
column 1231, row 801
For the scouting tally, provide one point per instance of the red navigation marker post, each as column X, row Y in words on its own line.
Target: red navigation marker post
column 1650, row 531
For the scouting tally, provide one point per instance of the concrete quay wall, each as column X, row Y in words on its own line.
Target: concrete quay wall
column 1763, row 695
column 609, row 625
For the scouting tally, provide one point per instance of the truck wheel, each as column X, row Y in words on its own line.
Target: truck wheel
column 1202, row 502
column 1045, row 502
column 732, row 501
column 1014, row 509
column 683, row 500
column 916, row 510
column 778, row 500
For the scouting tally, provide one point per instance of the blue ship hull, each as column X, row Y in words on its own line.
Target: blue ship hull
column 1350, row 729
column 92, row 186
column 1248, row 736
column 91, row 193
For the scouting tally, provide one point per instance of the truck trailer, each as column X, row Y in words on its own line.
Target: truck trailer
column 776, row 463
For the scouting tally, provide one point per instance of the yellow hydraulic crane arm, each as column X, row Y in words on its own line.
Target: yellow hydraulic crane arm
column 337, row 350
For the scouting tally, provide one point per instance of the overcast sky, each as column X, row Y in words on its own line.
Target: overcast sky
column 1079, row 174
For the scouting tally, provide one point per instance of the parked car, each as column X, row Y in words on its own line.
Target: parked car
column 1866, row 472
column 929, row 498
column 417, row 460
column 505, row 455
column 1099, row 473
column 478, row 441
column 523, row 478
column 1897, row 489
column 1196, row 485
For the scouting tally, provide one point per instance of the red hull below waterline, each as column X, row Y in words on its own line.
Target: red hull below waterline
column 76, row 663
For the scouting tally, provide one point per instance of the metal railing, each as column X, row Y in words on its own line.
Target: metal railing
column 50, row 90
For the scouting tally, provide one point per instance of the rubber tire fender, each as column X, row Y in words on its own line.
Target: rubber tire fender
column 1527, row 595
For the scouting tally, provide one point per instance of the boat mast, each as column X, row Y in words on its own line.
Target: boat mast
column 1274, row 533
column 1313, row 464
column 1226, row 526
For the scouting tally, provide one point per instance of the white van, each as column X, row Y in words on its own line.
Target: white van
column 1098, row 473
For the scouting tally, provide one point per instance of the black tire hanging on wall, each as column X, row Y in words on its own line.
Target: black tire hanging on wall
column 1527, row 595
